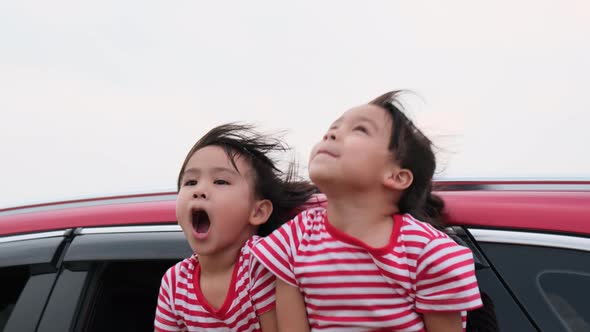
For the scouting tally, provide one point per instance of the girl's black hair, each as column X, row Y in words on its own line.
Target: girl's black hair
column 282, row 189
column 413, row 151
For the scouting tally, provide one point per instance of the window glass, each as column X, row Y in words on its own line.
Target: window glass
column 14, row 280
column 552, row 284
column 499, row 312
column 564, row 292
column 123, row 295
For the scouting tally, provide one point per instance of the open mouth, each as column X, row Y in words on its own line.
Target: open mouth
column 201, row 222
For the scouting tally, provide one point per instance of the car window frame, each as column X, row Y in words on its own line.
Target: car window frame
column 92, row 248
column 39, row 252
column 508, row 313
column 493, row 242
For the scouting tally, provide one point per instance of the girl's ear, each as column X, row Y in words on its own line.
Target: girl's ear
column 261, row 213
column 399, row 179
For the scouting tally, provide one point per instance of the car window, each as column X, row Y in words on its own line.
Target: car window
column 551, row 283
column 500, row 312
column 122, row 296
column 564, row 292
column 27, row 275
column 125, row 266
column 62, row 307
column 13, row 282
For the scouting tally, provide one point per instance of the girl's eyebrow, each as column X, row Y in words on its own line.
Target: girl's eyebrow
column 223, row 170
column 372, row 122
column 218, row 169
column 193, row 170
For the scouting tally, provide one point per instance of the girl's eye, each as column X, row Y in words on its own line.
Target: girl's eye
column 190, row 183
column 361, row 129
column 221, row 182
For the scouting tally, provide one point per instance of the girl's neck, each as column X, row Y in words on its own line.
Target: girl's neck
column 215, row 277
column 225, row 258
column 219, row 263
column 223, row 261
column 359, row 213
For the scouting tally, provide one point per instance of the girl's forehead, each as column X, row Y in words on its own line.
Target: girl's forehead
column 214, row 157
column 365, row 112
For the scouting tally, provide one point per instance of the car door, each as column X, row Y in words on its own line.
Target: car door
column 548, row 274
column 110, row 278
column 501, row 310
column 28, row 270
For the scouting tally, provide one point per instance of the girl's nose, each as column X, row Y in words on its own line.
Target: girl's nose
column 199, row 195
column 330, row 136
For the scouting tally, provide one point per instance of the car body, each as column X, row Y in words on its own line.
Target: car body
column 96, row 264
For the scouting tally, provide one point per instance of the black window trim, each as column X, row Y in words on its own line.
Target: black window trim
column 142, row 242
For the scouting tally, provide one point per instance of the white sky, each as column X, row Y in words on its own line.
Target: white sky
column 106, row 97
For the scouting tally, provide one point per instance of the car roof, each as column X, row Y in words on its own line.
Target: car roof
column 141, row 209
column 561, row 207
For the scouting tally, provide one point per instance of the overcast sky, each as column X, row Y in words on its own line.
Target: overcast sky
column 106, row 97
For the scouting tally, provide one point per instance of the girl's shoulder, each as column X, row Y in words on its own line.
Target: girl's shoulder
column 419, row 229
column 314, row 212
column 304, row 222
column 316, row 201
column 252, row 241
column 187, row 263
column 182, row 270
column 425, row 239
column 310, row 218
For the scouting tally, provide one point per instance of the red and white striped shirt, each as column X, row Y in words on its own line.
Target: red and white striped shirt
column 182, row 306
column 349, row 286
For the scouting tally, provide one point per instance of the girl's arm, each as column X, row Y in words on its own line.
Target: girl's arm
column 291, row 314
column 268, row 321
column 442, row 259
column 443, row 322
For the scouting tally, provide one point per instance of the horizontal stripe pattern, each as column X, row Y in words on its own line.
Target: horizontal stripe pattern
column 348, row 286
column 251, row 295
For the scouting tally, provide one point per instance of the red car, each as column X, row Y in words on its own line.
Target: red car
column 96, row 264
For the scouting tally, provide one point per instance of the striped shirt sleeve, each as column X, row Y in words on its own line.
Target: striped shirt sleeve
column 276, row 250
column 262, row 288
column 445, row 278
column 166, row 317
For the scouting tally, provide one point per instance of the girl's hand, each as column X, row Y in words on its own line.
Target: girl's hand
column 443, row 322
